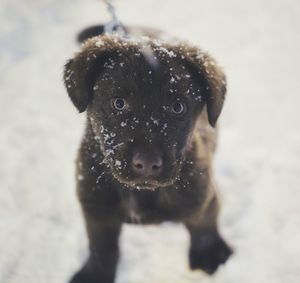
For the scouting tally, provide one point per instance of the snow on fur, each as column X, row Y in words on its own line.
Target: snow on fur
column 42, row 236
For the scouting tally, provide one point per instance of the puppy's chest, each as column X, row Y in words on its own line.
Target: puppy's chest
column 133, row 213
column 151, row 208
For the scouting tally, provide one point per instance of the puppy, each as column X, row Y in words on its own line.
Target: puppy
column 146, row 155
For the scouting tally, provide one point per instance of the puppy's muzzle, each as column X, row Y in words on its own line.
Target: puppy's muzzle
column 147, row 166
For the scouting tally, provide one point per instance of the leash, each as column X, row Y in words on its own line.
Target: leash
column 115, row 25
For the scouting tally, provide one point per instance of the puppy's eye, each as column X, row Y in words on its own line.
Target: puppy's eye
column 119, row 104
column 178, row 108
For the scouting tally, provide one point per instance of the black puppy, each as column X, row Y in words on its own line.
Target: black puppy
column 147, row 151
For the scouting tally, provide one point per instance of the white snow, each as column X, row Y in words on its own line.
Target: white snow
column 170, row 53
column 257, row 166
column 99, row 43
column 118, row 163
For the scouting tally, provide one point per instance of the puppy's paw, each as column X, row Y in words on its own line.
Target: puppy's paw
column 81, row 277
column 85, row 277
column 209, row 254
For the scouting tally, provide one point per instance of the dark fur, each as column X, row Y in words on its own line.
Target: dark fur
column 108, row 67
column 90, row 32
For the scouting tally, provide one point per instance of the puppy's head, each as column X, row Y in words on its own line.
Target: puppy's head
column 143, row 99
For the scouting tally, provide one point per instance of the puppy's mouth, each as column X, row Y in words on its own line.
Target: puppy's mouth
column 153, row 185
column 144, row 185
column 129, row 179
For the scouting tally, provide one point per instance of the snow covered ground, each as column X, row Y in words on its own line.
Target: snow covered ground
column 42, row 238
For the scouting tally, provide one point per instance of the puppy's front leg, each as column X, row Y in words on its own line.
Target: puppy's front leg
column 104, row 252
column 207, row 250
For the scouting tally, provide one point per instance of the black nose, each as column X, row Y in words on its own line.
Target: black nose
column 147, row 165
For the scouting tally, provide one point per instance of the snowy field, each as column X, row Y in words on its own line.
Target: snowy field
column 42, row 237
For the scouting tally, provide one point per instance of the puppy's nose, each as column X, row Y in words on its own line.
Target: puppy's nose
column 147, row 165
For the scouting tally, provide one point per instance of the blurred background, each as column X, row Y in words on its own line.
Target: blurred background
column 42, row 237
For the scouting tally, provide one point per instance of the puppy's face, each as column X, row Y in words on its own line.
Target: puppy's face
column 144, row 117
column 142, row 113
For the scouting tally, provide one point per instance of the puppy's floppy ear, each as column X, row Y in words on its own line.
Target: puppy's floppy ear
column 80, row 73
column 209, row 73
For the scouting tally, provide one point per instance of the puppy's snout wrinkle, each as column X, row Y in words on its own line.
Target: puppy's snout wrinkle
column 147, row 165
